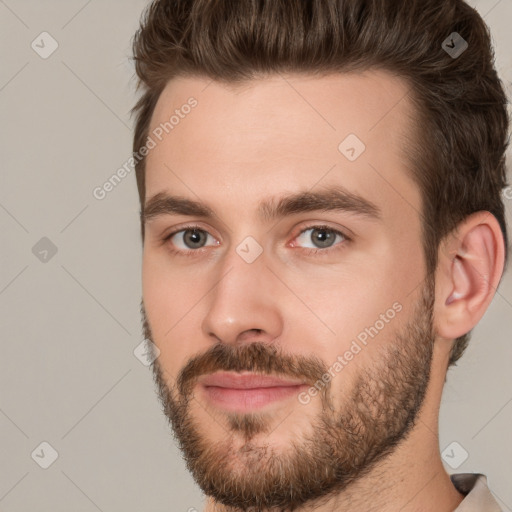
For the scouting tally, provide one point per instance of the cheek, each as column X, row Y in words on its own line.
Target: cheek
column 342, row 303
column 169, row 304
column 347, row 313
column 169, row 290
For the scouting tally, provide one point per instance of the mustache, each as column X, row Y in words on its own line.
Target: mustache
column 255, row 357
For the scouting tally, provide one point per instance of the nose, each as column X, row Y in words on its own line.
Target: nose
column 244, row 306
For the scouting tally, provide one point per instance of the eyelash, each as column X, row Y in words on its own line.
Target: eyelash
column 308, row 251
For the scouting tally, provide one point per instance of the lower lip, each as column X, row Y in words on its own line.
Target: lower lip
column 248, row 399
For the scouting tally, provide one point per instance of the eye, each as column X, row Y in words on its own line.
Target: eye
column 321, row 237
column 188, row 238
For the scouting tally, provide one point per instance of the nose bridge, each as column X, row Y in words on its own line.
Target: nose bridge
column 243, row 298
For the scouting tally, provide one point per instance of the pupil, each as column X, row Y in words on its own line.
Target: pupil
column 321, row 237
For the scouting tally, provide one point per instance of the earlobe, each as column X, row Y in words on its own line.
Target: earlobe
column 470, row 278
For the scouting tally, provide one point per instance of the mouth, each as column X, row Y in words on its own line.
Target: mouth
column 246, row 392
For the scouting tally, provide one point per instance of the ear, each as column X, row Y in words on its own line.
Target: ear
column 469, row 270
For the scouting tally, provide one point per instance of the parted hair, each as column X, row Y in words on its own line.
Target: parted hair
column 457, row 157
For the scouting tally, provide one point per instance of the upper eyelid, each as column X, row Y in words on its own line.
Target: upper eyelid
column 341, row 231
column 190, row 227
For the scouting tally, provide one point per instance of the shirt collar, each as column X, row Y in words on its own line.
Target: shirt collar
column 478, row 497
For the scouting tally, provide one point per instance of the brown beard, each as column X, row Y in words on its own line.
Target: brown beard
column 340, row 447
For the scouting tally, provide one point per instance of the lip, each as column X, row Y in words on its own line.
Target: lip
column 246, row 380
column 247, row 391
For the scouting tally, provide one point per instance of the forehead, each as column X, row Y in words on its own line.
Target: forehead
column 283, row 133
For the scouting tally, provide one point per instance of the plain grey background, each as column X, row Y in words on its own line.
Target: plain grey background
column 70, row 282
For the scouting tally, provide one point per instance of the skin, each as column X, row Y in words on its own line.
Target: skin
column 291, row 313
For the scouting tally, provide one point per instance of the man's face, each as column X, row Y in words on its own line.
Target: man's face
column 332, row 300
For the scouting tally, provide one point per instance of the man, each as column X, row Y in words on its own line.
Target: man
column 322, row 227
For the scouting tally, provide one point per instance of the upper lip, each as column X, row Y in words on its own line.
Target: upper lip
column 246, row 381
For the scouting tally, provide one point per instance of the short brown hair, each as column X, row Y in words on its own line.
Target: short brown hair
column 458, row 162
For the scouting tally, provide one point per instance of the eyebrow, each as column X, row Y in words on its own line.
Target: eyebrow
column 335, row 198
